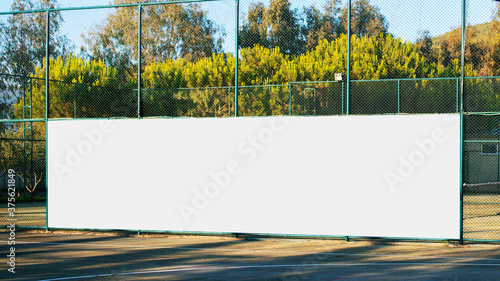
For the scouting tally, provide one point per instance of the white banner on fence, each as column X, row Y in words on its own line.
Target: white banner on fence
column 381, row 176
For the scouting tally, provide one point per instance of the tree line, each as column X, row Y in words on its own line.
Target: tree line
column 178, row 31
column 90, row 88
column 182, row 48
column 185, row 31
column 482, row 49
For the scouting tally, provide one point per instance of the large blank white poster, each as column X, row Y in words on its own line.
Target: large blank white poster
column 380, row 176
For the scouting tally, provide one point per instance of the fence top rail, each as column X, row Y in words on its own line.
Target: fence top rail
column 21, row 120
column 107, row 6
column 396, row 79
column 186, row 88
column 221, row 87
column 409, row 79
column 482, row 77
column 270, row 85
column 315, row 82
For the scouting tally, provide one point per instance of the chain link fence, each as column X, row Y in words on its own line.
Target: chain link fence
column 481, row 177
column 249, row 58
column 22, row 173
column 481, row 173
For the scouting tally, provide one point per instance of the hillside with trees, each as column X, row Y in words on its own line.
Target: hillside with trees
column 482, row 47
column 182, row 48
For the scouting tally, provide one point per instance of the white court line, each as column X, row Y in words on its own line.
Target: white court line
column 258, row 251
column 271, row 266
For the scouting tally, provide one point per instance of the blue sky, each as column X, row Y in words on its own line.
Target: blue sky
column 406, row 18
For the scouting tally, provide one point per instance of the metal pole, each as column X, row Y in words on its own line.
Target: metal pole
column 462, row 87
column 236, row 58
column 290, row 98
column 462, row 55
column 139, row 60
column 47, row 66
column 348, row 74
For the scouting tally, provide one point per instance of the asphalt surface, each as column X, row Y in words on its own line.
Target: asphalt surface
column 43, row 255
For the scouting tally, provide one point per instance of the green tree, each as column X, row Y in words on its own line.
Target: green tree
column 494, row 44
column 254, row 29
column 275, row 26
column 449, row 48
column 319, row 25
column 81, row 87
column 180, row 88
column 424, row 45
column 168, row 32
column 294, row 32
column 495, row 58
column 284, row 28
column 366, row 19
column 23, row 37
column 262, row 66
column 312, row 27
column 23, row 46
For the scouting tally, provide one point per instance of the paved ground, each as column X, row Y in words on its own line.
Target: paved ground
column 107, row 256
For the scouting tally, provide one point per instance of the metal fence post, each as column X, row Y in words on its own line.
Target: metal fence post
column 47, row 68
column 348, row 74
column 290, row 98
column 139, row 59
column 236, row 58
column 462, row 87
column 47, row 63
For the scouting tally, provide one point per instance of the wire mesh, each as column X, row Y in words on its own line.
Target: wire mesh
column 309, row 98
column 188, row 102
column 22, row 173
column 481, row 94
column 188, row 68
column 481, row 177
column 100, row 81
column 481, row 173
column 268, row 100
column 12, row 93
column 374, row 97
column 441, row 95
